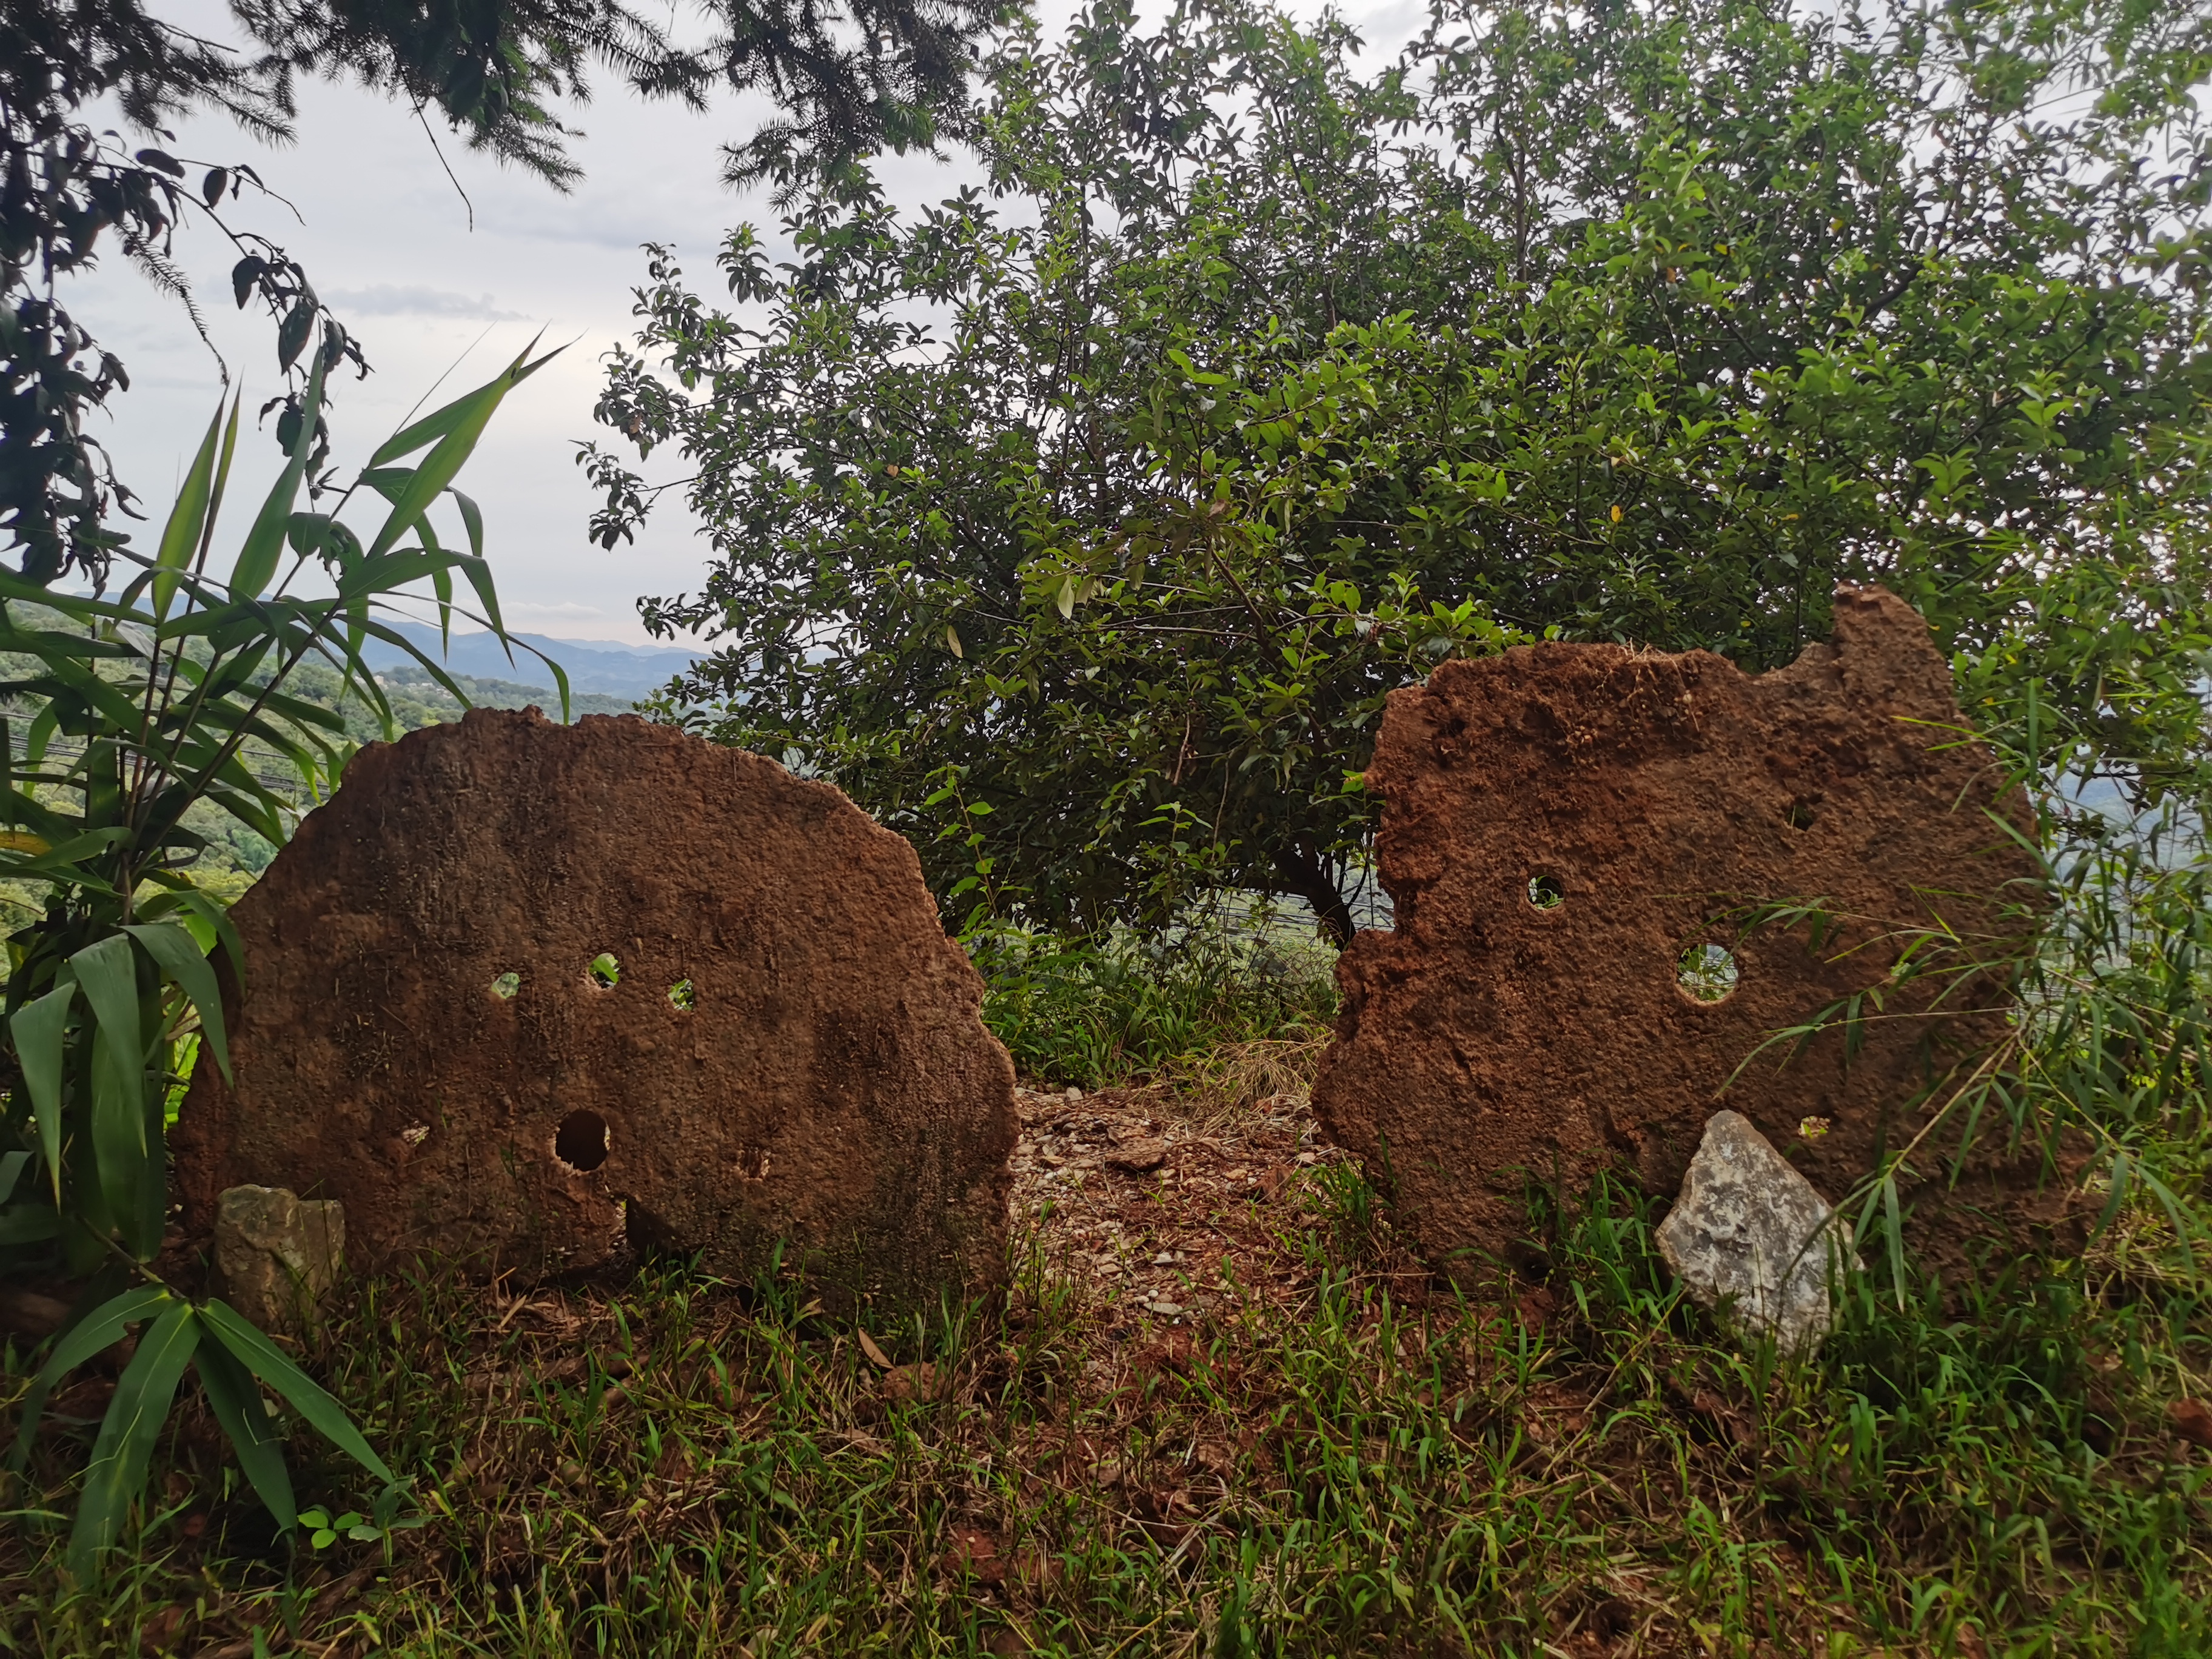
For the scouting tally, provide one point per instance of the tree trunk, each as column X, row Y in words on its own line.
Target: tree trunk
column 1303, row 876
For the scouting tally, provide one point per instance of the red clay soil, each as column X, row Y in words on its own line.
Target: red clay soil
column 830, row 1084
column 1493, row 1040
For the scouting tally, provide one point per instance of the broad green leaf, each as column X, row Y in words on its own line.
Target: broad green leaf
column 12, row 1165
column 261, row 1357
column 101, row 1328
column 40, row 1028
column 131, row 1164
column 264, row 542
column 127, row 1433
column 188, row 519
column 179, row 956
column 236, row 1401
column 127, row 1165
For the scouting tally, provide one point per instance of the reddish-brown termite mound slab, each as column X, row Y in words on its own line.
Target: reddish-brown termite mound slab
column 790, row 1050
column 1562, row 823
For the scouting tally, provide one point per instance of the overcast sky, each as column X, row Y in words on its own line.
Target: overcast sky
column 386, row 238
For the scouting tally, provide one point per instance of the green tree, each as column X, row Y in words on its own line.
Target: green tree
column 1078, row 527
column 845, row 78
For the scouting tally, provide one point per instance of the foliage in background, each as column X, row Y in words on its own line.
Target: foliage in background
column 1129, row 1008
column 147, row 704
column 843, row 78
column 1078, row 527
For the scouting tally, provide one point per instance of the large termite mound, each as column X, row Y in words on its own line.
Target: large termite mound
column 1564, row 823
column 520, row 989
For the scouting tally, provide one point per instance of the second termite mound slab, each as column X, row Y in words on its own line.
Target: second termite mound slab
column 1574, row 836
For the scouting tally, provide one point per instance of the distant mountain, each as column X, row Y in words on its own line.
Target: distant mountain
column 607, row 666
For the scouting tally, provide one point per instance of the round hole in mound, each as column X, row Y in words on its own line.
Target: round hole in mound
column 1706, row 972
column 604, row 971
column 580, row 1142
column 1545, row 892
column 505, row 986
column 1800, row 815
column 680, row 996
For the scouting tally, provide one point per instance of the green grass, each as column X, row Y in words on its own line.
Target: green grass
column 1347, row 1458
column 1091, row 1012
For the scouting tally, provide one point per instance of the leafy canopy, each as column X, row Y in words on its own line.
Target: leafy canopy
column 1079, row 525
column 843, row 78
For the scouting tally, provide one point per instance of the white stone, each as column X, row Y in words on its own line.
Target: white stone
column 277, row 1256
column 1750, row 1233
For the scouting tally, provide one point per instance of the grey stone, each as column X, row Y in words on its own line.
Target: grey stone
column 277, row 1255
column 1750, row 1233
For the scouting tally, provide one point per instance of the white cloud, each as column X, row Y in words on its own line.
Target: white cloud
column 567, row 611
column 399, row 299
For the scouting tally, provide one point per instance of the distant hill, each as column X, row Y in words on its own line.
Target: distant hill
column 606, row 666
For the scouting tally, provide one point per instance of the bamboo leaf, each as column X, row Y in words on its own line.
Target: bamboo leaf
column 261, row 1357
column 134, row 1419
column 236, row 1401
column 264, row 542
column 188, row 519
column 179, row 956
column 456, row 427
column 101, row 1328
column 40, row 1028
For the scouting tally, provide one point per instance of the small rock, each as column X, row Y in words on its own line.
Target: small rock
column 1138, row 1156
column 277, row 1255
column 28, row 1314
column 1748, row 1229
column 1165, row 1259
column 908, row 1385
column 1167, row 1310
column 2192, row 1422
column 1074, row 1093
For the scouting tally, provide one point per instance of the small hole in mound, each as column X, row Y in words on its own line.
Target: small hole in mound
column 580, row 1142
column 1546, row 893
column 1800, row 815
column 1706, row 972
column 605, row 971
column 753, row 1163
column 680, row 994
column 505, row 986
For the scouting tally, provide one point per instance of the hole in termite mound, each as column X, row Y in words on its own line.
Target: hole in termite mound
column 1707, row 973
column 1545, row 892
column 604, row 971
column 505, row 986
column 580, row 1142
